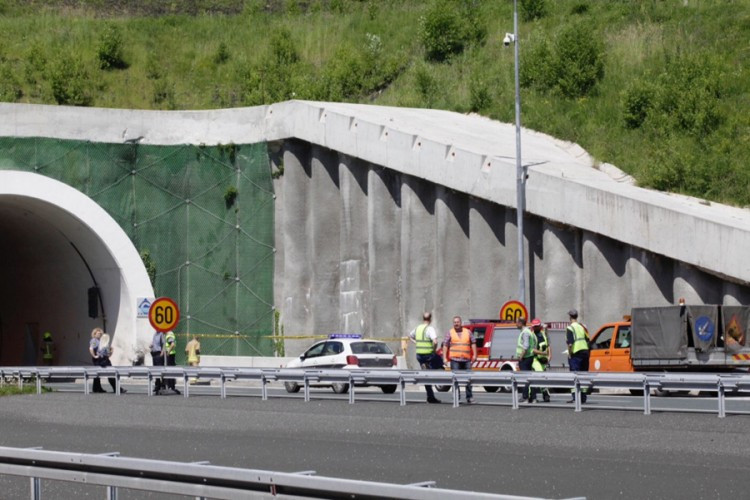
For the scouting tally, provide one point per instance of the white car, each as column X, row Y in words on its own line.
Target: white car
column 346, row 351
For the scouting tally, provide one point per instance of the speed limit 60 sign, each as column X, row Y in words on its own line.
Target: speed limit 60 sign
column 512, row 310
column 163, row 314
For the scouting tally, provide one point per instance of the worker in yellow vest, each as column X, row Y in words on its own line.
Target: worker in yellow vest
column 170, row 346
column 461, row 345
column 577, row 339
column 425, row 338
column 525, row 354
column 48, row 349
column 542, row 353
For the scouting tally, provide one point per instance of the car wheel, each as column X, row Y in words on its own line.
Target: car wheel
column 491, row 388
column 291, row 387
column 340, row 388
column 443, row 388
column 388, row 389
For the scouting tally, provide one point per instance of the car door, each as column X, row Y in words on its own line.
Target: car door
column 620, row 360
column 332, row 357
column 312, row 357
column 600, row 357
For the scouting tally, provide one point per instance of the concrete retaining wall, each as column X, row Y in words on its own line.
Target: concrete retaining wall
column 369, row 249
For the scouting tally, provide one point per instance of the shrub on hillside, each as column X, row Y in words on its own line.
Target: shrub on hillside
column 689, row 93
column 222, row 54
column 570, row 64
column 70, row 81
column 685, row 98
column 110, row 51
column 480, row 97
column 638, row 100
column 10, row 88
column 533, row 9
column 448, row 27
column 536, row 64
column 579, row 61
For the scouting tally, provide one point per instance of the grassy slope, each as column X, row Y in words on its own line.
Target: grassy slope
column 174, row 61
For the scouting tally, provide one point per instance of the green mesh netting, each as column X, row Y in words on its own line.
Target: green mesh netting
column 203, row 214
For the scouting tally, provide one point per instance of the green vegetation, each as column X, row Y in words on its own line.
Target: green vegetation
column 13, row 390
column 656, row 87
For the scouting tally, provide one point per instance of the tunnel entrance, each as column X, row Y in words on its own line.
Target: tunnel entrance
column 65, row 267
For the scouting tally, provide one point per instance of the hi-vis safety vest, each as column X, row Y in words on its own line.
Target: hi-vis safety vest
column 542, row 346
column 580, row 338
column 520, row 353
column 47, row 350
column 460, row 344
column 424, row 343
column 170, row 343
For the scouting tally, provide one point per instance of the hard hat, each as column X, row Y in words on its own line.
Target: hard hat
column 47, row 336
column 536, row 322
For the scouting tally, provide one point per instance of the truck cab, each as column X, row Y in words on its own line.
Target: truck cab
column 610, row 348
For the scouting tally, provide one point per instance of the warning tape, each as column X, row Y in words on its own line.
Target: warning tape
column 286, row 337
column 741, row 357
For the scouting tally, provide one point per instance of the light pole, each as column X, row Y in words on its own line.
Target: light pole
column 520, row 175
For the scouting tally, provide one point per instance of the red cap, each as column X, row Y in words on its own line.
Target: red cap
column 536, row 322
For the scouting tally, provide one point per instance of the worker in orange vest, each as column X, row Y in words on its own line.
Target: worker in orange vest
column 461, row 345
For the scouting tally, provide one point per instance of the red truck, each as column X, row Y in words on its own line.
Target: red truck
column 496, row 346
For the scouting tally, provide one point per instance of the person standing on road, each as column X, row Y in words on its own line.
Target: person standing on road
column 100, row 351
column 577, row 339
column 48, row 349
column 461, row 345
column 193, row 353
column 541, row 353
column 525, row 354
column 170, row 346
column 425, row 338
column 157, row 357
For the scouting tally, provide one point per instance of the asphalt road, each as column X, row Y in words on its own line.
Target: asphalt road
column 535, row 451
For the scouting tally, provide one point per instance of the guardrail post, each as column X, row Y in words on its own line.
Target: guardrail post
column 307, row 388
column 514, row 391
column 86, row 383
column 36, row 488
column 351, row 389
column 223, row 380
column 722, row 401
column 111, row 492
column 38, row 383
column 646, row 397
column 402, row 390
column 117, row 382
column 456, row 388
column 185, row 384
column 263, row 387
column 577, row 389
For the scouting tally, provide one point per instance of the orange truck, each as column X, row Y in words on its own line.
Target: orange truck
column 710, row 338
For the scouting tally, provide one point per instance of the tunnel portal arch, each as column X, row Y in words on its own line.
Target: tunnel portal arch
column 56, row 243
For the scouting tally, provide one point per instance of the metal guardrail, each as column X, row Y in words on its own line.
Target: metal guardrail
column 202, row 480
column 577, row 382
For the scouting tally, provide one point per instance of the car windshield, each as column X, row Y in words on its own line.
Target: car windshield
column 370, row 348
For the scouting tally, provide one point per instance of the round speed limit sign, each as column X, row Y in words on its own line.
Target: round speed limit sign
column 163, row 314
column 512, row 310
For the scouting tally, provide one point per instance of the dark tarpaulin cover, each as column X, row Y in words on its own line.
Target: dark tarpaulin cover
column 736, row 326
column 704, row 325
column 659, row 333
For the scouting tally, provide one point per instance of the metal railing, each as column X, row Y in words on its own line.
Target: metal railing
column 201, row 480
column 577, row 382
